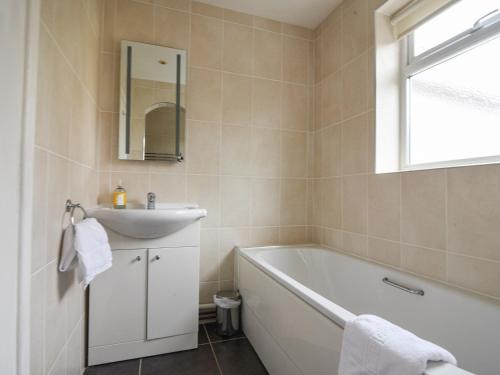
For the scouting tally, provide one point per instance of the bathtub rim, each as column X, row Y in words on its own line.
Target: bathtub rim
column 337, row 314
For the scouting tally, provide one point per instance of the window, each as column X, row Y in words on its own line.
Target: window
column 450, row 111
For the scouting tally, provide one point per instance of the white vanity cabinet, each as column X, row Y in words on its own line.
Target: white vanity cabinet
column 147, row 302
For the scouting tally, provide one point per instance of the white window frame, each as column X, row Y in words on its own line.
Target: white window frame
column 484, row 30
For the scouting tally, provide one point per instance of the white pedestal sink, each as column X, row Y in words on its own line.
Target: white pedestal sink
column 138, row 222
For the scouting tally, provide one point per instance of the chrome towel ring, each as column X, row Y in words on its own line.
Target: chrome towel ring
column 70, row 207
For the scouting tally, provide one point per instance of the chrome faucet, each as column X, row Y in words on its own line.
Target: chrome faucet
column 151, row 201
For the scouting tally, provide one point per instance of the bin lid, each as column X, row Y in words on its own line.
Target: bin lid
column 228, row 294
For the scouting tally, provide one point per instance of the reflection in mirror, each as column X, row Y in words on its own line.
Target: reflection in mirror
column 152, row 102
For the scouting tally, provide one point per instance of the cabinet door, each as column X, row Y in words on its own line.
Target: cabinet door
column 173, row 286
column 117, row 308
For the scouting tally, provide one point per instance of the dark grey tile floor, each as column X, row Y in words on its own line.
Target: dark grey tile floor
column 216, row 355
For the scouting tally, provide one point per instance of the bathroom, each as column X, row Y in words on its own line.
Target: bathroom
column 303, row 163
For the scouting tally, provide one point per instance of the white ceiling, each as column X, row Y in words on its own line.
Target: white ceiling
column 306, row 13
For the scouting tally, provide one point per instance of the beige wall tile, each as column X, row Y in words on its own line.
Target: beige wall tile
column 54, row 93
column 168, row 188
column 104, row 140
column 354, row 243
column 209, row 255
column 58, row 187
column 203, row 147
column 264, row 236
column 475, row 274
column 238, row 42
column 294, row 109
column 354, row 206
column 134, row 21
column 238, row 17
column 423, row 208
column 206, row 42
column 297, row 31
column 174, row 4
column 108, row 26
column 354, row 28
column 293, row 235
column 354, row 145
column 383, row 251
column 330, row 202
column 265, row 202
column 236, row 99
column 384, row 205
column 331, row 49
column 235, row 201
column 204, row 190
column 267, row 24
column 266, row 103
column 295, row 60
column 207, row 10
column 354, row 78
column 331, row 100
column 56, row 286
column 172, row 28
column 293, row 154
column 207, row 291
column 268, row 57
column 332, row 238
column 293, row 202
column 426, row 262
column 235, row 150
column 230, row 238
column 331, row 155
column 107, row 101
column 205, row 95
column 265, row 152
column 473, row 207
column 83, row 126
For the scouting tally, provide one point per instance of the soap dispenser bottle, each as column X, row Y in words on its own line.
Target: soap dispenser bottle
column 120, row 197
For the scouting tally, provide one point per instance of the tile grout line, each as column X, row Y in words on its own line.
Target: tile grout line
column 213, row 351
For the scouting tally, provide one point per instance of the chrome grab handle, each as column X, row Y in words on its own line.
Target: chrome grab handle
column 419, row 292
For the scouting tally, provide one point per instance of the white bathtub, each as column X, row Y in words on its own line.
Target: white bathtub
column 296, row 300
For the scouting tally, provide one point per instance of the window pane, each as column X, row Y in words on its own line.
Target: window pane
column 454, row 20
column 455, row 107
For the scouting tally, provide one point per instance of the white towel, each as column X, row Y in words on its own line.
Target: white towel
column 69, row 259
column 374, row 346
column 86, row 244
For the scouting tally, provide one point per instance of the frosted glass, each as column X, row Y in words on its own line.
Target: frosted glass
column 452, row 21
column 454, row 107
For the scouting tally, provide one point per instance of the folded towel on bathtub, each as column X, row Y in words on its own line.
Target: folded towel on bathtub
column 374, row 346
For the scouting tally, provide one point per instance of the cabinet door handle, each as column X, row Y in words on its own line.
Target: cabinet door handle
column 138, row 258
column 157, row 257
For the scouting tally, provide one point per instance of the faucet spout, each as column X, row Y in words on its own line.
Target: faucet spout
column 151, row 201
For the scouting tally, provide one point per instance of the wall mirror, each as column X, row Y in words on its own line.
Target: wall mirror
column 152, row 102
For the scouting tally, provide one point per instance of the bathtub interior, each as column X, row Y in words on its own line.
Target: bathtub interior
column 443, row 315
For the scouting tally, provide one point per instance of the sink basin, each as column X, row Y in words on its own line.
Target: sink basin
column 138, row 222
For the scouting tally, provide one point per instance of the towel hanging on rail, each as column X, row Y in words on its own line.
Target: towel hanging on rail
column 85, row 247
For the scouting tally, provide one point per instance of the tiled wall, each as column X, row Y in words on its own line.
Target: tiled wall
column 442, row 224
column 65, row 167
column 249, row 113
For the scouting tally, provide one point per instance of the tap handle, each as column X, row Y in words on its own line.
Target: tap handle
column 151, row 197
